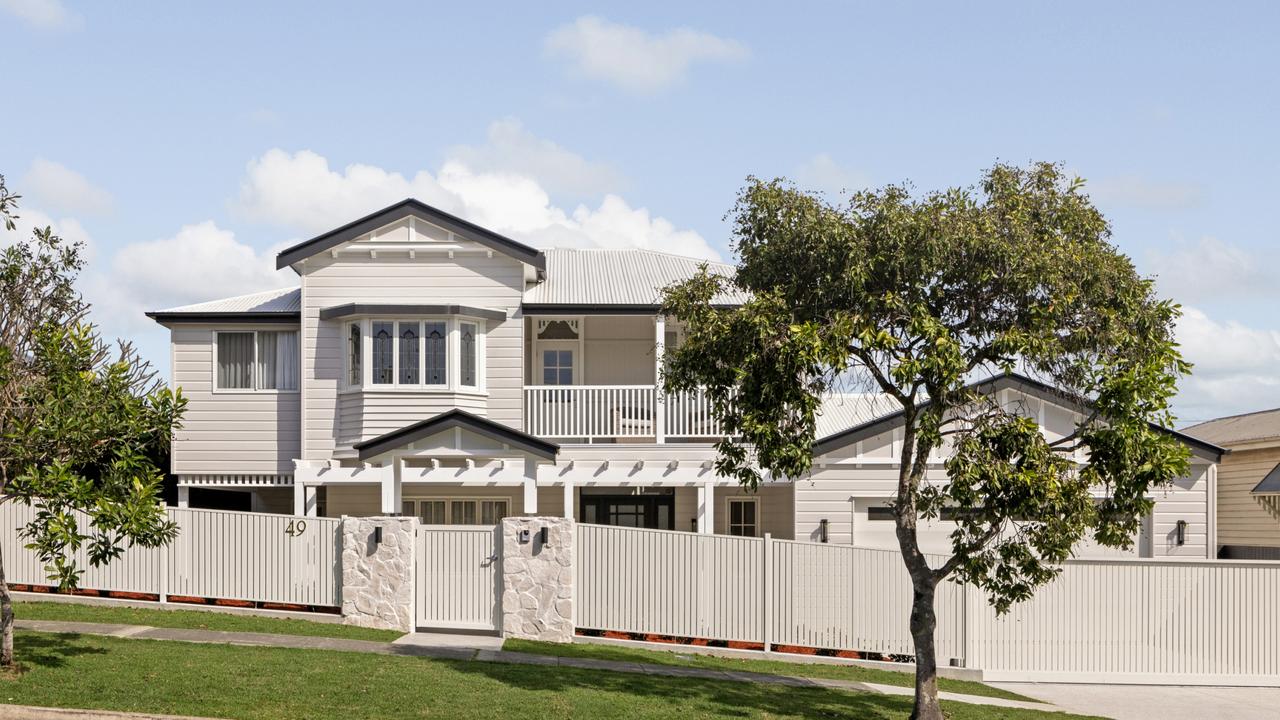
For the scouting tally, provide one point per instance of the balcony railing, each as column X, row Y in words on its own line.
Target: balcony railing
column 640, row 413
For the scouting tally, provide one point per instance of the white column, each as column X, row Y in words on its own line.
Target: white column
column 530, row 486
column 299, row 497
column 184, row 496
column 570, row 507
column 309, row 505
column 706, row 507
column 659, row 354
column 391, row 488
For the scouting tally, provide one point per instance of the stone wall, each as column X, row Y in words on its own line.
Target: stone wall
column 537, row 579
column 377, row 578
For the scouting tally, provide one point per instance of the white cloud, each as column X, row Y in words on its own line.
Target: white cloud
column 633, row 59
column 300, row 191
column 67, row 228
column 510, row 147
column 200, row 262
column 47, row 14
column 824, row 174
column 1237, row 368
column 58, row 187
column 1211, row 269
column 1139, row 192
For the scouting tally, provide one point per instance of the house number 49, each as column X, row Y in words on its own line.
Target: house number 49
column 295, row 528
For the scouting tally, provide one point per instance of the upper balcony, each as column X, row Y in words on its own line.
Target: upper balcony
column 595, row 379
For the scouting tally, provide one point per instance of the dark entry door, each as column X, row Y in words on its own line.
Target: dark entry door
column 657, row 512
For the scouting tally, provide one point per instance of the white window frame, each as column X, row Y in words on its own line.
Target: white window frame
column 580, row 358
column 728, row 514
column 453, row 355
column 253, row 374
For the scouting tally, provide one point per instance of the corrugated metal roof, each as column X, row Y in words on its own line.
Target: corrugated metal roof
column 1227, row 431
column 617, row 277
column 282, row 301
column 843, row 411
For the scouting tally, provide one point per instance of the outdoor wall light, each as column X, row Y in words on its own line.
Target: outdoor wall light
column 543, row 535
column 822, row 530
column 1181, row 532
column 377, row 535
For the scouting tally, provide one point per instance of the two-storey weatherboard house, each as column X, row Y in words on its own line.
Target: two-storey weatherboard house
column 428, row 366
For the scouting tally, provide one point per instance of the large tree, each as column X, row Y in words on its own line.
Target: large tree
column 913, row 296
column 82, row 425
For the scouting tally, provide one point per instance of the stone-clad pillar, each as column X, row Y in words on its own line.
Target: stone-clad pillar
column 377, row 577
column 537, row 578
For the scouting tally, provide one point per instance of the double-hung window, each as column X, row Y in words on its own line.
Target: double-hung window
column 256, row 360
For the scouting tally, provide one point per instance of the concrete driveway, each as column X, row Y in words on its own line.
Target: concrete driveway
column 1161, row 702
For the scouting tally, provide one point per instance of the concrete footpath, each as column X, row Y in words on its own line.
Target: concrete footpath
column 480, row 648
column 1165, row 702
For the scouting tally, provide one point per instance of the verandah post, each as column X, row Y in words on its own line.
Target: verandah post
column 659, row 398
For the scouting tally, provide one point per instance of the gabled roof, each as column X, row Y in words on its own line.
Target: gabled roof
column 283, row 305
column 401, row 210
column 884, row 423
column 1251, row 427
column 1270, row 484
column 451, row 419
column 584, row 280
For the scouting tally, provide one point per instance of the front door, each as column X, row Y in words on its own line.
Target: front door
column 656, row 512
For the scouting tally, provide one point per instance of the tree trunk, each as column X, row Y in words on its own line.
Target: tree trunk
column 6, row 619
column 923, row 623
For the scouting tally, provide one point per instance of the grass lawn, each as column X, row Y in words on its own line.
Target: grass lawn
column 253, row 682
column 775, row 667
column 195, row 619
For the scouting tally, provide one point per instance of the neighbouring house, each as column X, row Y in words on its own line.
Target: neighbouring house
column 1248, row 498
column 427, row 366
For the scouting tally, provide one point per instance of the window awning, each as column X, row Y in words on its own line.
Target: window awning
column 1270, row 484
column 450, row 419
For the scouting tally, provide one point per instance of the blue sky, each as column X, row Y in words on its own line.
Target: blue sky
column 186, row 142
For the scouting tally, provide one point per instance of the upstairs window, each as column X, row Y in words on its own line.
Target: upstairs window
column 409, row 352
column 355, row 373
column 436, row 334
column 257, row 360
column 383, row 347
column 467, row 334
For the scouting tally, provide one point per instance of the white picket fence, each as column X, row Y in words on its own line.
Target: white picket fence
column 1119, row 621
column 254, row 557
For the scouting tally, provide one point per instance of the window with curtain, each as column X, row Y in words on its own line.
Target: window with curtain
column 467, row 335
column 353, row 354
column 278, row 362
column 264, row 360
column 436, row 336
column 235, row 360
column 383, row 349
column 462, row 512
column 409, row 343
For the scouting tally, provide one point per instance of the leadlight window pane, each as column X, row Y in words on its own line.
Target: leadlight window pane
column 436, row 336
column 235, row 361
column 383, row 347
column 467, row 331
column 353, row 354
column 409, row 349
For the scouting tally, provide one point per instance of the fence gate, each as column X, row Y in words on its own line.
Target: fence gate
column 459, row 577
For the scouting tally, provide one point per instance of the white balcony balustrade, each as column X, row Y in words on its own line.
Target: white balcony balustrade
column 639, row 413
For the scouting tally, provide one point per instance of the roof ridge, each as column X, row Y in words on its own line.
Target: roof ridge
column 1232, row 417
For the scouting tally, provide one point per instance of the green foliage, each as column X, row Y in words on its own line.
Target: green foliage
column 916, row 297
column 82, row 429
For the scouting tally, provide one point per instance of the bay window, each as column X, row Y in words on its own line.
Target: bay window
column 253, row 360
column 427, row 354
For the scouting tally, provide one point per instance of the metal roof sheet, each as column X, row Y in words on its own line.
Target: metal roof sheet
column 283, row 300
column 1250, row 427
column 576, row 276
column 842, row 411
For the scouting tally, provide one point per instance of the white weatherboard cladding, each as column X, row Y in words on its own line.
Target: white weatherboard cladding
column 228, row 432
column 470, row 278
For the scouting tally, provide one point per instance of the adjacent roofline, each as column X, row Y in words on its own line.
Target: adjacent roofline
column 350, row 309
column 422, row 211
column 1199, row 447
column 447, row 421
column 1270, row 484
column 290, row 317
column 596, row 309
